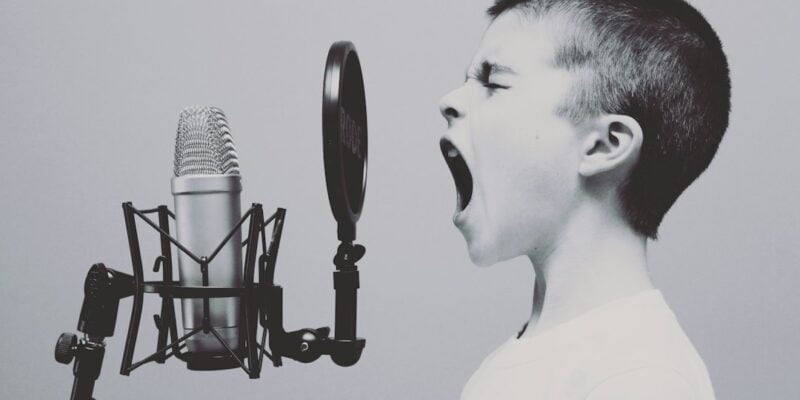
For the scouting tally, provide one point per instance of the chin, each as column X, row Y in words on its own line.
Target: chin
column 481, row 259
column 484, row 253
column 489, row 249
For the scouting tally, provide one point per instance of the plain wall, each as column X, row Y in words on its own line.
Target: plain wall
column 90, row 93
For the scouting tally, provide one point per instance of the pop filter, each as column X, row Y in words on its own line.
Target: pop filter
column 344, row 135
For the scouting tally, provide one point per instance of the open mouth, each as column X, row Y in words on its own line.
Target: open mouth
column 460, row 171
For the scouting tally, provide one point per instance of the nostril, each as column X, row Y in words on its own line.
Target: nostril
column 450, row 112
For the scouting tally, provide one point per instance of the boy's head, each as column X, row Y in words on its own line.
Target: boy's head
column 621, row 103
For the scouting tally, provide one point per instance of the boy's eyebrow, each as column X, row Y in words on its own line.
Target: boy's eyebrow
column 488, row 68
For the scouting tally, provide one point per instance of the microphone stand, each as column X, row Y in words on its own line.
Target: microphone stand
column 88, row 361
column 103, row 289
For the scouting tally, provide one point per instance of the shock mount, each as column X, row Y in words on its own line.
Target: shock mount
column 261, row 300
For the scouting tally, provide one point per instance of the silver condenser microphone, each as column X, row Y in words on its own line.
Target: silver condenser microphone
column 207, row 188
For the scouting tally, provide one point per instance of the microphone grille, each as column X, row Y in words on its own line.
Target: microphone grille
column 204, row 145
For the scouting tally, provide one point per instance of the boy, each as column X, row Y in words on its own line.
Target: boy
column 579, row 124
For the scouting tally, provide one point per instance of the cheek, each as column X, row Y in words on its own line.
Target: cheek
column 501, row 141
column 528, row 174
column 519, row 151
column 548, row 170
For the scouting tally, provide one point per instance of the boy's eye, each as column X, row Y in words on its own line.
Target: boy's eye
column 484, row 81
column 482, row 74
column 493, row 86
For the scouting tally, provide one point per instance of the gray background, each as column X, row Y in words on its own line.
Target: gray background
column 90, row 93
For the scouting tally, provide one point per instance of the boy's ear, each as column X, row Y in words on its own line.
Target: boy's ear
column 613, row 142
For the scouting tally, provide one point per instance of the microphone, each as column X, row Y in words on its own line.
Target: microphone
column 206, row 188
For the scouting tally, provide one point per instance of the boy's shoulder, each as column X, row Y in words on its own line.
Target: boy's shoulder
column 637, row 336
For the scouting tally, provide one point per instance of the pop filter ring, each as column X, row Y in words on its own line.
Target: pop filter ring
column 344, row 134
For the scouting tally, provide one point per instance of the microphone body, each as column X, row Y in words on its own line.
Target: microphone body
column 207, row 188
column 207, row 207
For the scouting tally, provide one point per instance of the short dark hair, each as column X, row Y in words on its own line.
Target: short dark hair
column 657, row 61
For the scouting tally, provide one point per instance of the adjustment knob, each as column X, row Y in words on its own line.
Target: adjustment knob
column 65, row 347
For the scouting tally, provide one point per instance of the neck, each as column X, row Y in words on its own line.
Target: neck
column 595, row 260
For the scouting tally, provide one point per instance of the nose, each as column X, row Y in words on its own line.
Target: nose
column 451, row 107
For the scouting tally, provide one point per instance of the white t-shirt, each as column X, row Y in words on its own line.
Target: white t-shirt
column 634, row 340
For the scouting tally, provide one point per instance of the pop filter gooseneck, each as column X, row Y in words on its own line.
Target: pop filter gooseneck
column 344, row 136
